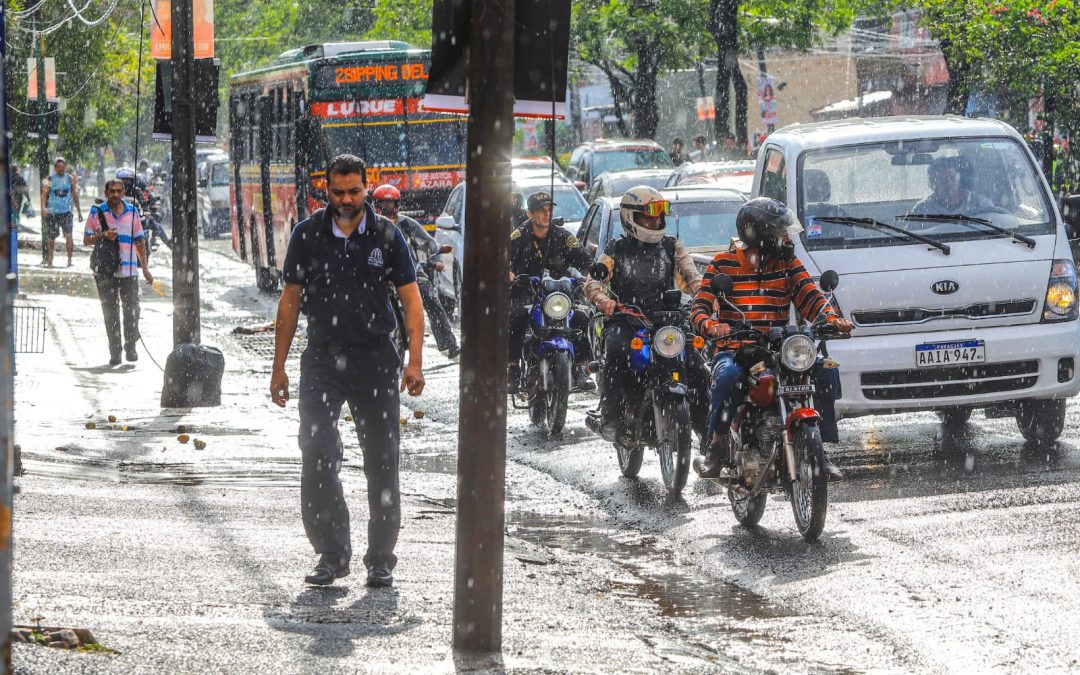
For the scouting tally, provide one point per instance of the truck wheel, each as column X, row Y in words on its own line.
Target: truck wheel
column 1041, row 421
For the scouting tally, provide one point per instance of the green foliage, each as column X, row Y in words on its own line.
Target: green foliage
column 406, row 20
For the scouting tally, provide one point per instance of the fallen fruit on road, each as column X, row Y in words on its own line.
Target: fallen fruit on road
column 418, row 414
column 91, row 425
column 112, row 418
column 183, row 438
column 199, row 445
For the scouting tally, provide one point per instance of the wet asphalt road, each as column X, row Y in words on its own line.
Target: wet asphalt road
column 944, row 551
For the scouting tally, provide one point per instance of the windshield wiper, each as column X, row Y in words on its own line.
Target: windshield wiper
column 965, row 220
column 871, row 224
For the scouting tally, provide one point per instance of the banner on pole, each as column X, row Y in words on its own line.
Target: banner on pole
column 161, row 29
column 32, row 80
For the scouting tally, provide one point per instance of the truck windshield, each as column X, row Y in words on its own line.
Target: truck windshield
column 932, row 188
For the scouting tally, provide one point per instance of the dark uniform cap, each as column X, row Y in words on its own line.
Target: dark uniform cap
column 538, row 200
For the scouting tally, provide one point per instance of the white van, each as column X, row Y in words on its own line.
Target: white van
column 954, row 265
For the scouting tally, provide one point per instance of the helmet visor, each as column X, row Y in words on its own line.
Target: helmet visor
column 787, row 224
column 660, row 207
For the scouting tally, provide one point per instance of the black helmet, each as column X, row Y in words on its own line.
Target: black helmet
column 761, row 221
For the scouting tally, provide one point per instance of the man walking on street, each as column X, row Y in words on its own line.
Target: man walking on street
column 58, row 192
column 338, row 269
column 116, row 220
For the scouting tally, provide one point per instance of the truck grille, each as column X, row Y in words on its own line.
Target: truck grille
column 980, row 310
column 921, row 383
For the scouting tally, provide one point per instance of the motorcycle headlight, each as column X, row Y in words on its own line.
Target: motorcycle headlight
column 669, row 341
column 798, row 353
column 557, row 306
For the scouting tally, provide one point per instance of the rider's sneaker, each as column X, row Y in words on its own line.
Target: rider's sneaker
column 833, row 472
column 714, row 464
column 610, row 431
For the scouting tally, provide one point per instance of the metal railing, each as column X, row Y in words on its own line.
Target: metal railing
column 29, row 329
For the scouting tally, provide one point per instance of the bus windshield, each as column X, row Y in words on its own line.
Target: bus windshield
column 399, row 143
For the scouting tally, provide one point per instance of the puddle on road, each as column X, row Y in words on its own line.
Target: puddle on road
column 653, row 574
column 59, row 282
column 434, row 462
column 205, row 474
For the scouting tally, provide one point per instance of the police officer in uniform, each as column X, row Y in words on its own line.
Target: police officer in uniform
column 338, row 268
column 642, row 265
column 537, row 245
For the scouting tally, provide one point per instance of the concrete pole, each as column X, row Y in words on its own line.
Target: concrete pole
column 485, row 300
column 185, row 250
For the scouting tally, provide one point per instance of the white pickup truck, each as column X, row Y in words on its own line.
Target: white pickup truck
column 954, row 265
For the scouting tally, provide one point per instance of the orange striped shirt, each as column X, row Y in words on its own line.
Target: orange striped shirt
column 764, row 295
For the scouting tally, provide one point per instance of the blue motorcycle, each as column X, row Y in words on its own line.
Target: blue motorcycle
column 657, row 411
column 548, row 351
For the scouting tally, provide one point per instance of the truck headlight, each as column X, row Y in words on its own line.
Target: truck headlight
column 557, row 306
column 798, row 353
column 1060, row 302
column 669, row 342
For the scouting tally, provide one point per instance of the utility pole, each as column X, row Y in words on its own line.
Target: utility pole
column 485, row 300
column 7, row 370
column 192, row 372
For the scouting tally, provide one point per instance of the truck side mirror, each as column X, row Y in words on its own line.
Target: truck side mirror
column 1070, row 212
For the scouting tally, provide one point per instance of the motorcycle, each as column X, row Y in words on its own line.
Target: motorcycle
column 775, row 443
column 658, row 410
column 548, row 351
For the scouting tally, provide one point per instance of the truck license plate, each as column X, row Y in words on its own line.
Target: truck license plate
column 932, row 354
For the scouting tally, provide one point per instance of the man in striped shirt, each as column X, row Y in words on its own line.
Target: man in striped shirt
column 118, row 220
column 767, row 280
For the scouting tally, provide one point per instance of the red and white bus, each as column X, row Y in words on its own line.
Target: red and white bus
column 287, row 120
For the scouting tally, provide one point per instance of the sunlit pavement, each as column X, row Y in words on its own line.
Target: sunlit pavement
column 942, row 551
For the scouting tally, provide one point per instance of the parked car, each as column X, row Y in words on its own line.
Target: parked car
column 213, row 195
column 615, row 183
column 735, row 175
column 956, row 308
column 702, row 218
column 591, row 159
column 570, row 206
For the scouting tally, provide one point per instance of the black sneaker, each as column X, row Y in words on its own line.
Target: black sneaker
column 714, row 464
column 131, row 355
column 513, row 379
column 114, row 360
column 453, row 352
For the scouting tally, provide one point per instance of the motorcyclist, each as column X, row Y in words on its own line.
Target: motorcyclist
column 537, row 245
column 387, row 200
column 642, row 264
column 768, row 278
column 137, row 191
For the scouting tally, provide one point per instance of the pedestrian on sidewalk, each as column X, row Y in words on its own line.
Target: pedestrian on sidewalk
column 425, row 250
column 20, row 196
column 338, row 270
column 117, row 220
column 58, row 192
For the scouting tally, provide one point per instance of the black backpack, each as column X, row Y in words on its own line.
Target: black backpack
column 105, row 258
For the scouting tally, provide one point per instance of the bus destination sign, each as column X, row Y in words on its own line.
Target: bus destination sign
column 331, row 76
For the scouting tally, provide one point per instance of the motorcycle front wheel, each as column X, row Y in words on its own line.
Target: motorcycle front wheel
column 810, row 489
column 672, row 420
column 558, row 394
column 748, row 510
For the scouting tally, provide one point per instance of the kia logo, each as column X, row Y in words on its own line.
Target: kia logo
column 945, row 287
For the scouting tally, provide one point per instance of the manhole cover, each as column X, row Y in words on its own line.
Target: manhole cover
column 262, row 345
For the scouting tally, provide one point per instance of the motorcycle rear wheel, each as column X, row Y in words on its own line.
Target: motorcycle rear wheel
column 810, row 489
column 673, row 444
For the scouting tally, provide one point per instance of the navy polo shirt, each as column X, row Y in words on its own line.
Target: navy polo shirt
column 346, row 293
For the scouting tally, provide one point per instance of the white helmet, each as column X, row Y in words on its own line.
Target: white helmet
column 642, row 200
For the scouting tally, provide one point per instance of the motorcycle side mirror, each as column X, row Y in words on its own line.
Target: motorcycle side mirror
column 721, row 284
column 558, row 221
column 599, row 271
column 829, row 281
column 672, row 299
column 446, row 248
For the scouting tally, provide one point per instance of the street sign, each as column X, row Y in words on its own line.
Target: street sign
column 161, row 29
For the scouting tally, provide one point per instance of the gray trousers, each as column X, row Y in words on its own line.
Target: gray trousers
column 114, row 292
column 366, row 378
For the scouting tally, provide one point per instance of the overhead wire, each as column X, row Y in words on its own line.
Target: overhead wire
column 88, row 22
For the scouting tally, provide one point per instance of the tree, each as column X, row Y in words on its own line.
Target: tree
column 737, row 25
